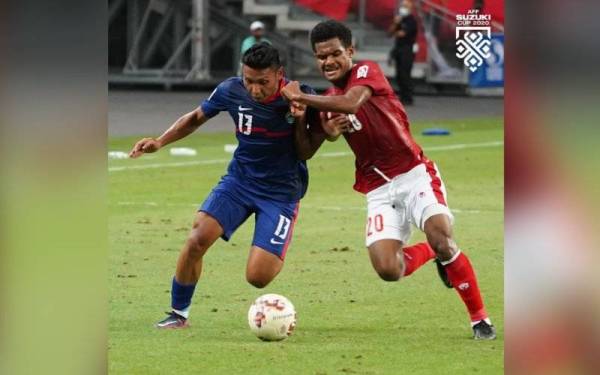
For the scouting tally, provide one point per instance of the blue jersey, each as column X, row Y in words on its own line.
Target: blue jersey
column 265, row 162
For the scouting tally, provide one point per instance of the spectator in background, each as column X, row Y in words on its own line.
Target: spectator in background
column 478, row 5
column 257, row 29
column 404, row 31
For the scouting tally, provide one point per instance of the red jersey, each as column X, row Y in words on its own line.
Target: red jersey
column 380, row 135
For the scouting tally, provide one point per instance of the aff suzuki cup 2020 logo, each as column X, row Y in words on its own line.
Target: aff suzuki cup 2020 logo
column 473, row 33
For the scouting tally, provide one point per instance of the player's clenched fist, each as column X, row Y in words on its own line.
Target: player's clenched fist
column 291, row 91
column 297, row 109
column 335, row 124
column 144, row 146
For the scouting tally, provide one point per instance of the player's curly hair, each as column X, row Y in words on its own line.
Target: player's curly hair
column 261, row 56
column 328, row 30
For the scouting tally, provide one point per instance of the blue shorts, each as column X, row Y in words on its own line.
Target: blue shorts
column 230, row 204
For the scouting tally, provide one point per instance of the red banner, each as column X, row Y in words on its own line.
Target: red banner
column 336, row 9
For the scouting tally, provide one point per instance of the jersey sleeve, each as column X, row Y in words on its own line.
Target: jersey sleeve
column 369, row 74
column 313, row 117
column 216, row 102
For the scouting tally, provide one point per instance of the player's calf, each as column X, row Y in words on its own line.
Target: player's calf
column 439, row 235
column 459, row 273
column 205, row 231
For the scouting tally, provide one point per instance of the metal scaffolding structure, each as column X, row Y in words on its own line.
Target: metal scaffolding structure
column 165, row 40
column 186, row 41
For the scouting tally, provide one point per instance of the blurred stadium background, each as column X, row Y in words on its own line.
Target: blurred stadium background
column 197, row 42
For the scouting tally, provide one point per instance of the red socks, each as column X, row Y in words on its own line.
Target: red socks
column 415, row 256
column 461, row 275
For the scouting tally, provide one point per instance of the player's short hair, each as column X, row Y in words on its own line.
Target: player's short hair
column 261, row 56
column 328, row 30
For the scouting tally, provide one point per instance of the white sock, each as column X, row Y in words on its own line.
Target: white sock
column 185, row 313
column 446, row 262
column 487, row 320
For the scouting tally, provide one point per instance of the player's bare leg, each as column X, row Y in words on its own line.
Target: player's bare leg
column 461, row 275
column 205, row 231
column 439, row 235
column 262, row 267
column 387, row 259
column 392, row 261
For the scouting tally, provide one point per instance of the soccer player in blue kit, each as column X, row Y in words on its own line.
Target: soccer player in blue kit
column 267, row 176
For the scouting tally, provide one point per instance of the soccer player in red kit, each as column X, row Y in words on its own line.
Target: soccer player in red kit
column 402, row 185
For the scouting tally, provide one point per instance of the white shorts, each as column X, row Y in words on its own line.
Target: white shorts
column 419, row 194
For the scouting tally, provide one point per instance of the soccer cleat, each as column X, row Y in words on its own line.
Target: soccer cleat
column 442, row 272
column 484, row 331
column 173, row 320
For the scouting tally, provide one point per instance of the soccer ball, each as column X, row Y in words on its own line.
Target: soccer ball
column 272, row 317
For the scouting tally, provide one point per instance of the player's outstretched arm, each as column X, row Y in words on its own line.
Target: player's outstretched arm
column 181, row 128
column 348, row 103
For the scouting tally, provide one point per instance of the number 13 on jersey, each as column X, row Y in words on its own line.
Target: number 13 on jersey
column 244, row 123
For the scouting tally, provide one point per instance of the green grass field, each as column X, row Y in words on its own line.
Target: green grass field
column 349, row 321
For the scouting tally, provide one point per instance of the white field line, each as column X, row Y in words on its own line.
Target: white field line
column 305, row 206
column 164, row 165
column 459, row 146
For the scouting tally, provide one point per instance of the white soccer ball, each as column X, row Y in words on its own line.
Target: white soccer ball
column 272, row 317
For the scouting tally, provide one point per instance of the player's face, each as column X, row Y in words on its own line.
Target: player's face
column 261, row 83
column 333, row 59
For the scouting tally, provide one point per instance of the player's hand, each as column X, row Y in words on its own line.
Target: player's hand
column 397, row 19
column 336, row 125
column 291, row 91
column 297, row 109
column 144, row 146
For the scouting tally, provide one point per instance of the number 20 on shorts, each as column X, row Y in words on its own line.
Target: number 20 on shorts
column 374, row 223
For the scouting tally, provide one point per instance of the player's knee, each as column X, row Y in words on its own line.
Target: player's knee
column 257, row 281
column 389, row 275
column 197, row 245
column 389, row 271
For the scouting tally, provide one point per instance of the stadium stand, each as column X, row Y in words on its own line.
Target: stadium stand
column 172, row 42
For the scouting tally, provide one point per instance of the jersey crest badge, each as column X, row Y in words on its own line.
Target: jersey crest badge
column 362, row 72
column 289, row 118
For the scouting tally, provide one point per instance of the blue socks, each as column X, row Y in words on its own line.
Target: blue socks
column 181, row 297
